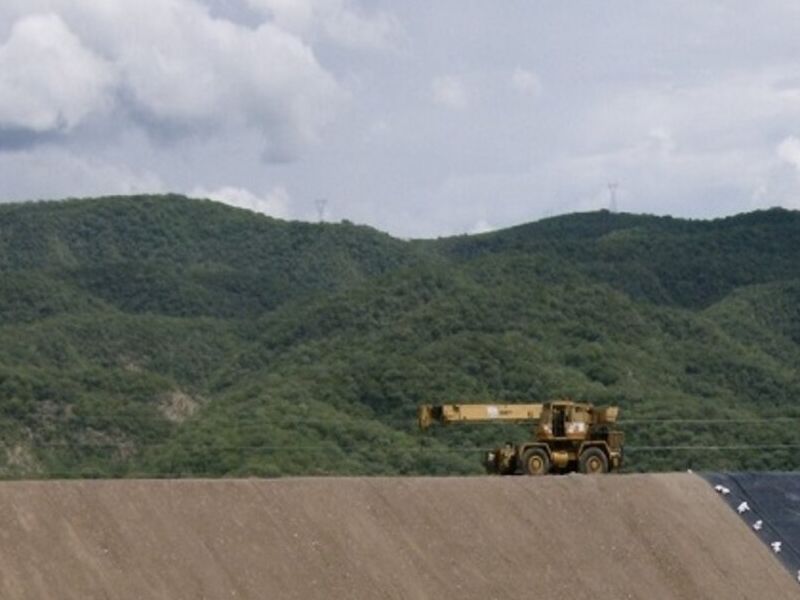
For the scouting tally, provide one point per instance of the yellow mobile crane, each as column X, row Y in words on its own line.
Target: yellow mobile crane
column 568, row 436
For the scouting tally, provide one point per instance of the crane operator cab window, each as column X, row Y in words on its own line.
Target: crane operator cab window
column 559, row 421
column 569, row 421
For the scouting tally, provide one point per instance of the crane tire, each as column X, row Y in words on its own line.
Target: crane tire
column 535, row 461
column 593, row 461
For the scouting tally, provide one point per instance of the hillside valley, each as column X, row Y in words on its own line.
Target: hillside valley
column 163, row 336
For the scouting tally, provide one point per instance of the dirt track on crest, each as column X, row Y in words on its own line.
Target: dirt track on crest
column 611, row 537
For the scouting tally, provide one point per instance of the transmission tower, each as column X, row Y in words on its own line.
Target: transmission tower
column 612, row 196
column 321, row 203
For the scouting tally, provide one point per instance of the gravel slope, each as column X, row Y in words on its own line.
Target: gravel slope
column 628, row 536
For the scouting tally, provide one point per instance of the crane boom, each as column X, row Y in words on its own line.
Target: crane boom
column 477, row 413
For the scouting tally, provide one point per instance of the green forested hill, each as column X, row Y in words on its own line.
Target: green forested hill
column 166, row 336
column 166, row 255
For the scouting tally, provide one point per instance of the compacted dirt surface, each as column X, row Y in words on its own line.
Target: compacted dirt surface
column 608, row 537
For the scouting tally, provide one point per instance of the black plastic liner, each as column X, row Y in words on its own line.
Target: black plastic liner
column 773, row 498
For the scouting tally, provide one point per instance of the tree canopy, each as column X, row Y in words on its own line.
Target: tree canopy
column 163, row 336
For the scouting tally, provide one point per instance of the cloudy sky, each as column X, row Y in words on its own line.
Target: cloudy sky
column 420, row 117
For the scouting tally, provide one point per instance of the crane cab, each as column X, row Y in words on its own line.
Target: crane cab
column 564, row 419
column 569, row 436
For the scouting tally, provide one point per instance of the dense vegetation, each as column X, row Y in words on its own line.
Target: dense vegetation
column 165, row 336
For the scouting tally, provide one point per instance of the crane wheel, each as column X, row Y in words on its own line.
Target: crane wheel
column 535, row 462
column 593, row 461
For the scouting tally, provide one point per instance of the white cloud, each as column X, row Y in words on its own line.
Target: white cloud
column 47, row 169
column 48, row 80
column 338, row 21
column 292, row 15
column 731, row 110
column 789, row 151
column 275, row 203
column 350, row 28
column 449, row 91
column 482, row 226
column 662, row 140
column 694, row 123
column 175, row 68
column 526, row 82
